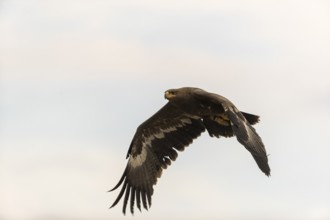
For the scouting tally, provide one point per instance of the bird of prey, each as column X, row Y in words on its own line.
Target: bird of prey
column 188, row 112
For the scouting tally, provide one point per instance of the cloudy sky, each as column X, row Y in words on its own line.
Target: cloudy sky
column 78, row 77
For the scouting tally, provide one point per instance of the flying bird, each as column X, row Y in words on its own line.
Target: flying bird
column 188, row 113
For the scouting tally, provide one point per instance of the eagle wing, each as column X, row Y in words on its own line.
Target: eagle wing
column 249, row 138
column 154, row 146
column 233, row 122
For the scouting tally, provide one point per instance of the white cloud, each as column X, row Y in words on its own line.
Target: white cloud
column 64, row 64
column 56, row 178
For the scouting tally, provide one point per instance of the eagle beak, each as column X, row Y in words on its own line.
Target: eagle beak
column 168, row 95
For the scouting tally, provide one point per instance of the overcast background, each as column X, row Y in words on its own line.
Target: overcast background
column 78, row 77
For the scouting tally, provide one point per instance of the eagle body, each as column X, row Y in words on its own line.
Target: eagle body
column 188, row 113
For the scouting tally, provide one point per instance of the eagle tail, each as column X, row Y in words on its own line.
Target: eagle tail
column 252, row 119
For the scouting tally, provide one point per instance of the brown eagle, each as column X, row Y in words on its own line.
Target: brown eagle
column 189, row 112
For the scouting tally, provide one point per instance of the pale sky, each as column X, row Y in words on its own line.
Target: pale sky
column 78, row 77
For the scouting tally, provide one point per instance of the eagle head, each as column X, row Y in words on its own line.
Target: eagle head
column 181, row 93
column 170, row 94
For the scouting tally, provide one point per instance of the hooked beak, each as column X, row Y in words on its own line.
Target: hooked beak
column 168, row 95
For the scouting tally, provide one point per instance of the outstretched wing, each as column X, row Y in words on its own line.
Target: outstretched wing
column 154, row 146
column 224, row 119
column 249, row 138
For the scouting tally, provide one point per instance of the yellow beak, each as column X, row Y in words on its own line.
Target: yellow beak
column 169, row 95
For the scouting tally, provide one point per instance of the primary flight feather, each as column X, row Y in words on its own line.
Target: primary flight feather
column 188, row 113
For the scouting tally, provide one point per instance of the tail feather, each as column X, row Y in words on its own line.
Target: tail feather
column 252, row 119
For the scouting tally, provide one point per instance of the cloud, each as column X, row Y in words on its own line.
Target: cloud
column 78, row 77
column 72, row 40
column 56, row 178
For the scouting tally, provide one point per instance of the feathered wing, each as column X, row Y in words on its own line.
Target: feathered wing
column 226, row 120
column 249, row 138
column 154, row 146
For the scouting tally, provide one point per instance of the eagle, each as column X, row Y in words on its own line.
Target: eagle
column 188, row 113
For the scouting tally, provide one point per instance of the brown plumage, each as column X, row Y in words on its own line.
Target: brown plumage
column 189, row 112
